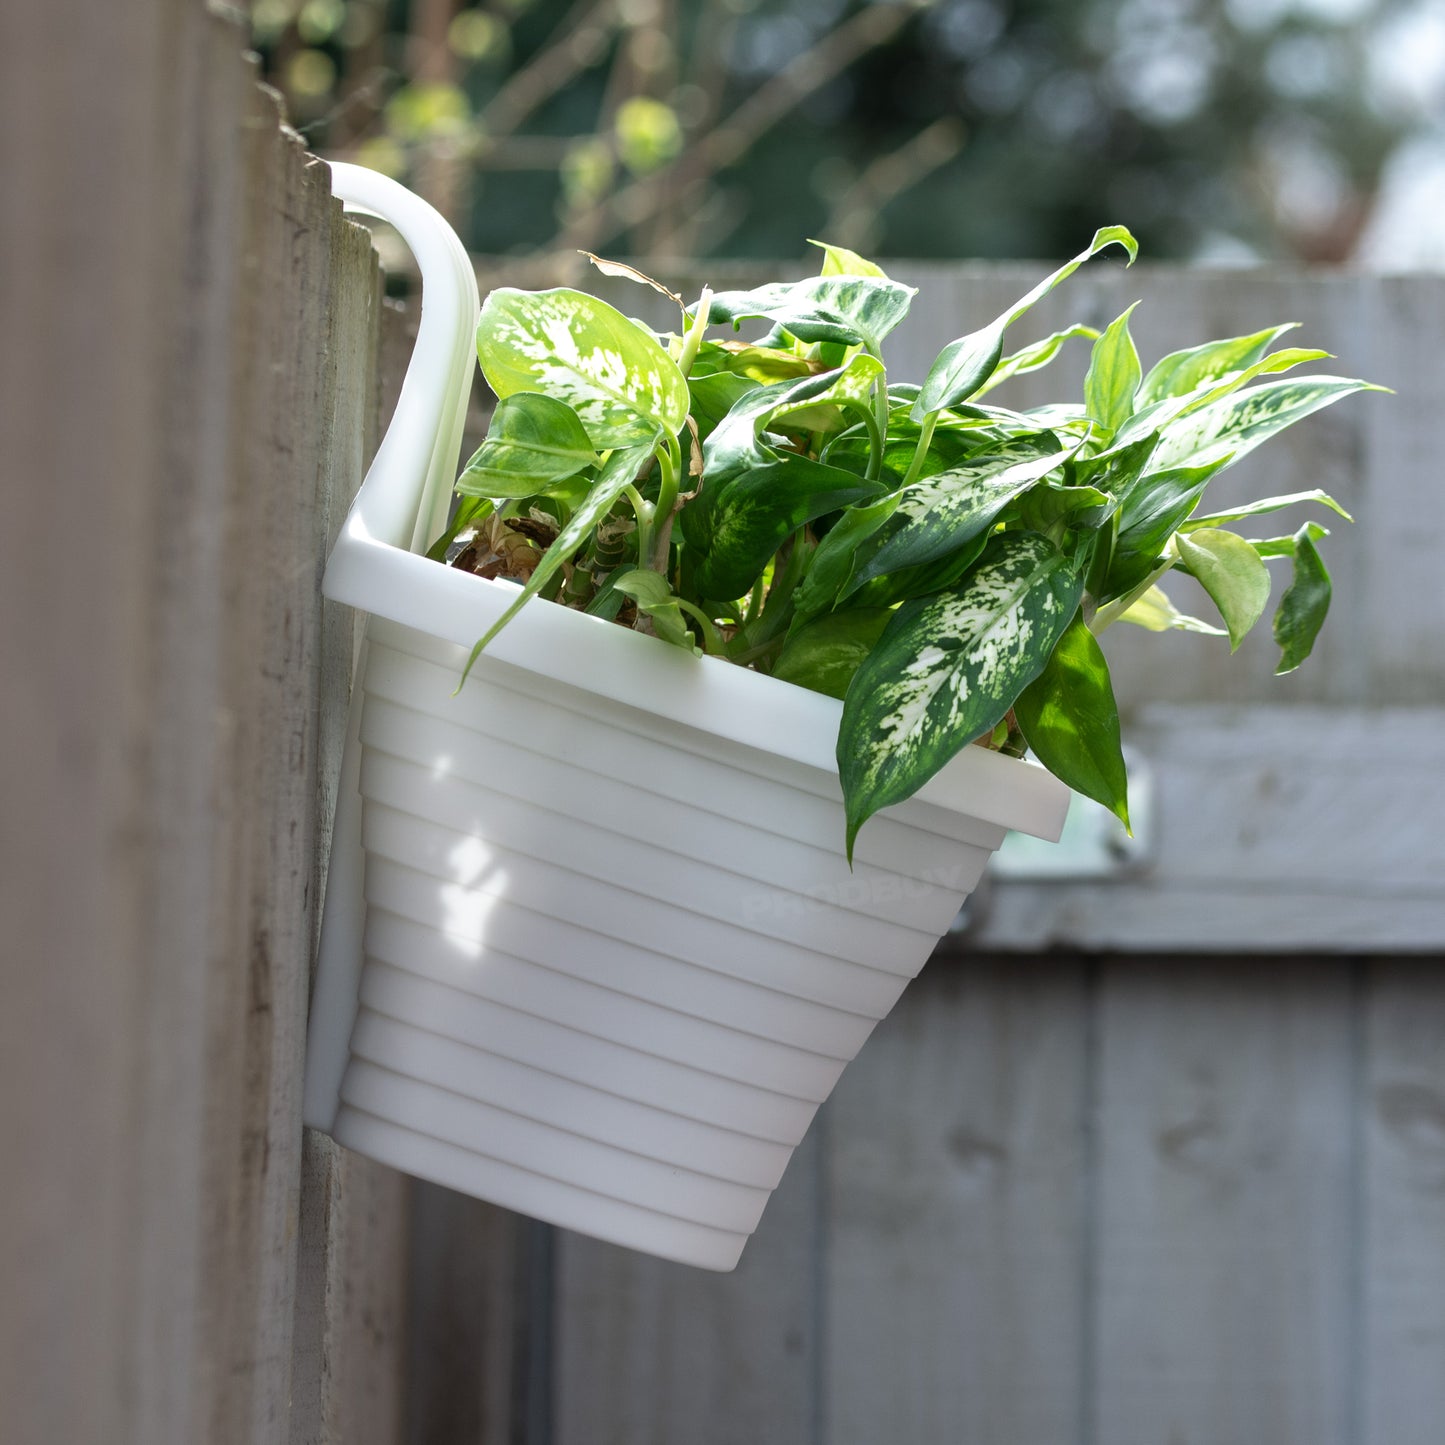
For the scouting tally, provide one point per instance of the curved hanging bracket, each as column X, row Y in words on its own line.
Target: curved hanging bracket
column 401, row 505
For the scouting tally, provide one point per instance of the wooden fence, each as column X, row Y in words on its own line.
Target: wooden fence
column 1157, row 1160
column 191, row 373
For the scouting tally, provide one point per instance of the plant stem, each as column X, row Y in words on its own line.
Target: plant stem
column 693, row 339
column 875, row 438
column 925, row 439
column 784, row 585
column 1111, row 612
column 755, row 600
column 712, row 642
column 670, row 464
column 642, row 510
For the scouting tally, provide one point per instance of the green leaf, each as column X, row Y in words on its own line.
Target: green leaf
column 754, row 495
column 824, row 654
column 1069, row 718
column 571, row 346
column 534, row 442
column 836, row 555
column 941, row 513
column 1303, row 607
column 735, row 529
column 840, row 261
column 1037, row 355
column 1153, row 610
column 1230, row 570
column 1118, row 469
column 654, row 598
column 964, row 365
column 1287, row 546
column 1149, row 515
column 618, row 471
column 1231, row 427
column 1269, row 504
column 947, row 668
column 849, row 309
column 1182, row 372
column 921, row 580
column 1113, row 376
column 737, row 445
column 469, row 511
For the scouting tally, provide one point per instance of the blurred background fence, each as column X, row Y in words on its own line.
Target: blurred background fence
column 1157, row 1157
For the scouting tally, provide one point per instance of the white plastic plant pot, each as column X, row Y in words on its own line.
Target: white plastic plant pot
column 591, row 949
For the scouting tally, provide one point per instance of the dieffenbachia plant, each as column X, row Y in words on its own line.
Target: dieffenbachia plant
column 942, row 564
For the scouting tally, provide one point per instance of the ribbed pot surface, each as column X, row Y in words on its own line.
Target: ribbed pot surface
column 614, row 965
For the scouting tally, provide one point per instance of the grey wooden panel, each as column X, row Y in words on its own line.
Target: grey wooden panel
column 352, row 1327
column 173, row 367
column 472, row 1290
column 1224, row 1204
column 653, row 1353
column 1402, row 1249
column 1276, row 828
column 1403, row 590
column 955, row 1225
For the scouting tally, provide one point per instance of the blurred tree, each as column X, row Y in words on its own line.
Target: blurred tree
column 934, row 128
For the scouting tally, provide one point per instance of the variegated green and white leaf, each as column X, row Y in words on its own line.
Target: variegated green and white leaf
column 964, row 365
column 1182, row 372
column 534, row 443
column 938, row 515
column 571, row 346
column 947, row 669
column 736, row 444
column 733, row 529
column 1168, row 412
column 847, row 309
column 1233, row 426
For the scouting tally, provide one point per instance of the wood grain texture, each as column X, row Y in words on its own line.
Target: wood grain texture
column 955, row 1224
column 473, row 1286
column 654, row 1353
column 1402, row 1245
column 1224, row 1204
column 1288, row 828
column 194, row 323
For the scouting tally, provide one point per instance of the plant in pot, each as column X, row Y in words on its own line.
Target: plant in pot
column 751, row 639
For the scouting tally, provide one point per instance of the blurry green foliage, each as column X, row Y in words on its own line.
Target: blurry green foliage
column 930, row 129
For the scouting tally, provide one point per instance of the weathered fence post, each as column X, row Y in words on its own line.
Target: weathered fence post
column 189, row 382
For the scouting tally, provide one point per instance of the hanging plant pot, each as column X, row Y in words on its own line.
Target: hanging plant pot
column 591, row 947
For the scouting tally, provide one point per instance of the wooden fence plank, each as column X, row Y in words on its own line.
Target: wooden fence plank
column 193, row 323
column 1275, row 828
column 1402, row 1250
column 954, row 1221
column 470, row 1293
column 1224, row 1204
column 654, row 1353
